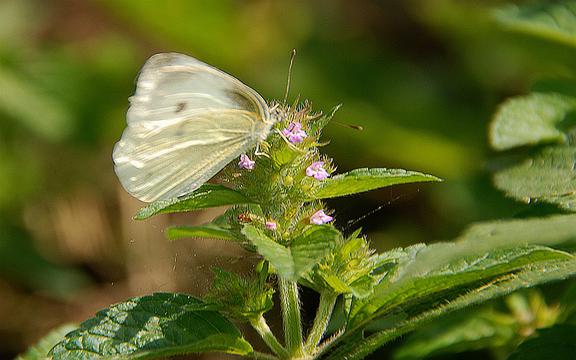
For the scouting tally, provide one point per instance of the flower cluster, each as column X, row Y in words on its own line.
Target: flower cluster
column 294, row 133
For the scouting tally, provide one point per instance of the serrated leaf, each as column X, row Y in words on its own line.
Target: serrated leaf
column 528, row 276
column 305, row 250
column 488, row 260
column 153, row 326
column 207, row 196
column 556, row 342
column 549, row 177
column 414, row 283
column 532, row 119
column 555, row 21
column 208, row 231
column 361, row 180
column 40, row 350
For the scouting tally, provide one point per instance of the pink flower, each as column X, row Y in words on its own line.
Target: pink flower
column 294, row 133
column 317, row 171
column 320, row 218
column 245, row 162
column 271, row 225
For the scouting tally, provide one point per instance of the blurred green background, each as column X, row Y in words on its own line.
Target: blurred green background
column 421, row 77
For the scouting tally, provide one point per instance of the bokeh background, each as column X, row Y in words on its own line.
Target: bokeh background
column 421, row 77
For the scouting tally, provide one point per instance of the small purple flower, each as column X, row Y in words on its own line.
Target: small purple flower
column 320, row 218
column 271, row 225
column 317, row 171
column 245, row 162
column 294, row 133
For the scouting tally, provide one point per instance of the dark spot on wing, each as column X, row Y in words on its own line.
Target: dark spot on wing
column 180, row 107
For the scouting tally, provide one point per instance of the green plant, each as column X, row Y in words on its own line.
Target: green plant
column 366, row 299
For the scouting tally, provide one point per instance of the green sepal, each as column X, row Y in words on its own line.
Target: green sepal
column 346, row 270
column 304, row 251
column 206, row 196
column 238, row 297
column 361, row 180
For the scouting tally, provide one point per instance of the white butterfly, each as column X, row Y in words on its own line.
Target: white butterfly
column 186, row 121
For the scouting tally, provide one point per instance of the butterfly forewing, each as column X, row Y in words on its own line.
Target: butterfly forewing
column 187, row 120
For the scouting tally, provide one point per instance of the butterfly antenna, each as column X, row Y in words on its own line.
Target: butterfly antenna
column 292, row 57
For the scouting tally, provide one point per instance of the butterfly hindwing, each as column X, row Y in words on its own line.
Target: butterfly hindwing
column 186, row 121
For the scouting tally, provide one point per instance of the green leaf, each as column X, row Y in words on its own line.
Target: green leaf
column 240, row 298
column 207, row 196
column 153, row 326
column 529, row 276
column 40, row 350
column 208, row 231
column 557, row 342
column 555, row 21
column 488, row 260
column 449, row 269
column 360, row 180
column 532, row 119
column 458, row 332
column 549, row 177
column 305, row 250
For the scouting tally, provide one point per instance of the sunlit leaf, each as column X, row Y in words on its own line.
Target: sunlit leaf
column 207, row 196
column 399, row 323
column 153, row 326
column 550, row 177
column 532, row 119
column 209, row 231
column 40, row 350
column 487, row 261
column 555, row 20
column 305, row 251
column 361, row 180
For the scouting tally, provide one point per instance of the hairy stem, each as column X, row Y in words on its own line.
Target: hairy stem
column 259, row 324
column 327, row 301
column 291, row 317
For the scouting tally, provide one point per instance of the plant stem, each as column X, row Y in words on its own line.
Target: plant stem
column 262, row 356
column 291, row 317
column 261, row 326
column 327, row 301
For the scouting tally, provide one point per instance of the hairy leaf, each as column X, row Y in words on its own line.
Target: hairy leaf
column 40, row 350
column 208, row 231
column 555, row 20
column 549, row 177
column 361, row 180
column 207, row 196
column 400, row 324
column 153, row 326
column 532, row 119
column 305, row 250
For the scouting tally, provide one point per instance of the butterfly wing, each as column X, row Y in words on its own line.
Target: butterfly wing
column 186, row 121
